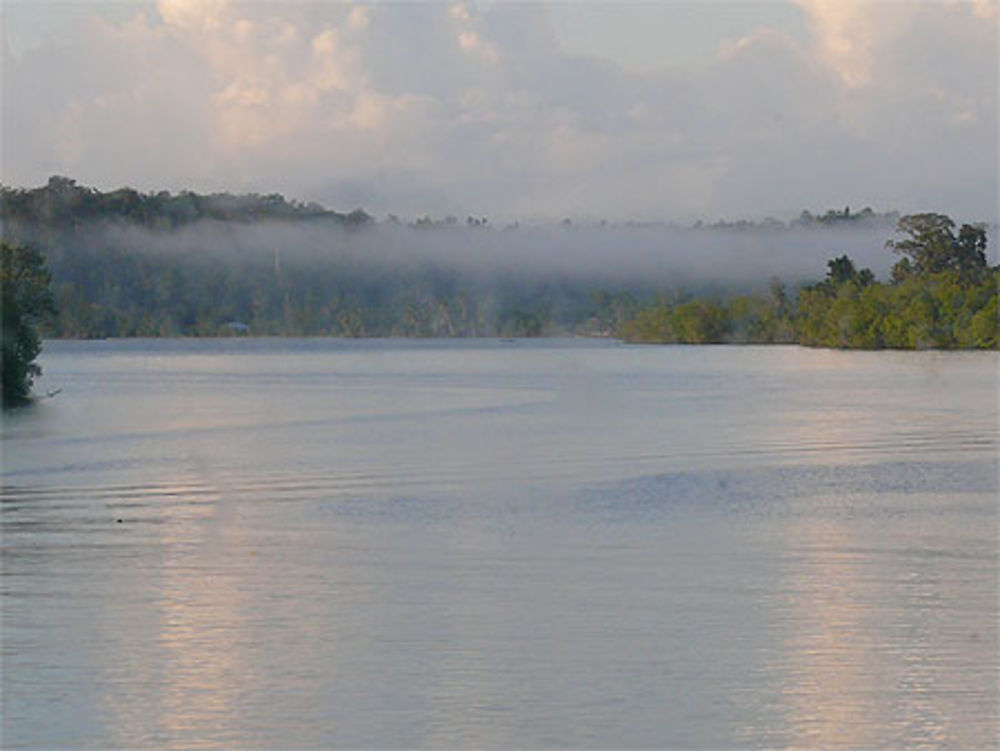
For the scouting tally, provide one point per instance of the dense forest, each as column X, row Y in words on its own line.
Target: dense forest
column 124, row 263
column 942, row 295
column 941, row 310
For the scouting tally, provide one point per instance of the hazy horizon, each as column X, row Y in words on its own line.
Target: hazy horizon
column 517, row 111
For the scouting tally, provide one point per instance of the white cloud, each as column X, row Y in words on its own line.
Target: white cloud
column 416, row 108
column 195, row 15
column 845, row 32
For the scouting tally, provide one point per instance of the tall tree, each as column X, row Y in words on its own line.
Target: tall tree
column 26, row 301
column 931, row 247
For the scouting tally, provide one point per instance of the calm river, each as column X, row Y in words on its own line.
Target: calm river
column 313, row 543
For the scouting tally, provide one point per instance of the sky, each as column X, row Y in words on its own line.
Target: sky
column 515, row 111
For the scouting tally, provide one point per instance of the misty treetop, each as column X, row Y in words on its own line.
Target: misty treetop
column 931, row 247
column 126, row 264
column 64, row 203
column 130, row 264
column 942, row 295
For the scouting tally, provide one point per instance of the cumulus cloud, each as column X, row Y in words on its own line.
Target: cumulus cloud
column 845, row 33
column 428, row 108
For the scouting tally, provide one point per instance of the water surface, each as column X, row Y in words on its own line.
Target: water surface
column 313, row 543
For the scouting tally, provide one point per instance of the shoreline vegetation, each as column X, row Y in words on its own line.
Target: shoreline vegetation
column 128, row 264
column 940, row 310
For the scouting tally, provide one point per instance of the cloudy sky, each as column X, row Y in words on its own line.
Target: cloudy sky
column 660, row 110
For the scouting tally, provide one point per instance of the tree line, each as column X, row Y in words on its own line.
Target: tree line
column 62, row 204
column 108, row 282
column 942, row 294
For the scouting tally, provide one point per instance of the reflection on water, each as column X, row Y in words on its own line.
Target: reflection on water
column 474, row 544
column 835, row 670
column 200, row 629
column 884, row 654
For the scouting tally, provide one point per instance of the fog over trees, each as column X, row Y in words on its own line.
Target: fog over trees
column 125, row 263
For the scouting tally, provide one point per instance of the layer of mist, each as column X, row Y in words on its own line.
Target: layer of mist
column 657, row 256
column 125, row 264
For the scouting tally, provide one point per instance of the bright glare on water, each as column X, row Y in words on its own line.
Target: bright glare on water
column 305, row 544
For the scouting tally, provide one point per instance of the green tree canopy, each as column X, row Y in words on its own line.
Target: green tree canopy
column 932, row 247
column 842, row 270
column 26, row 301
